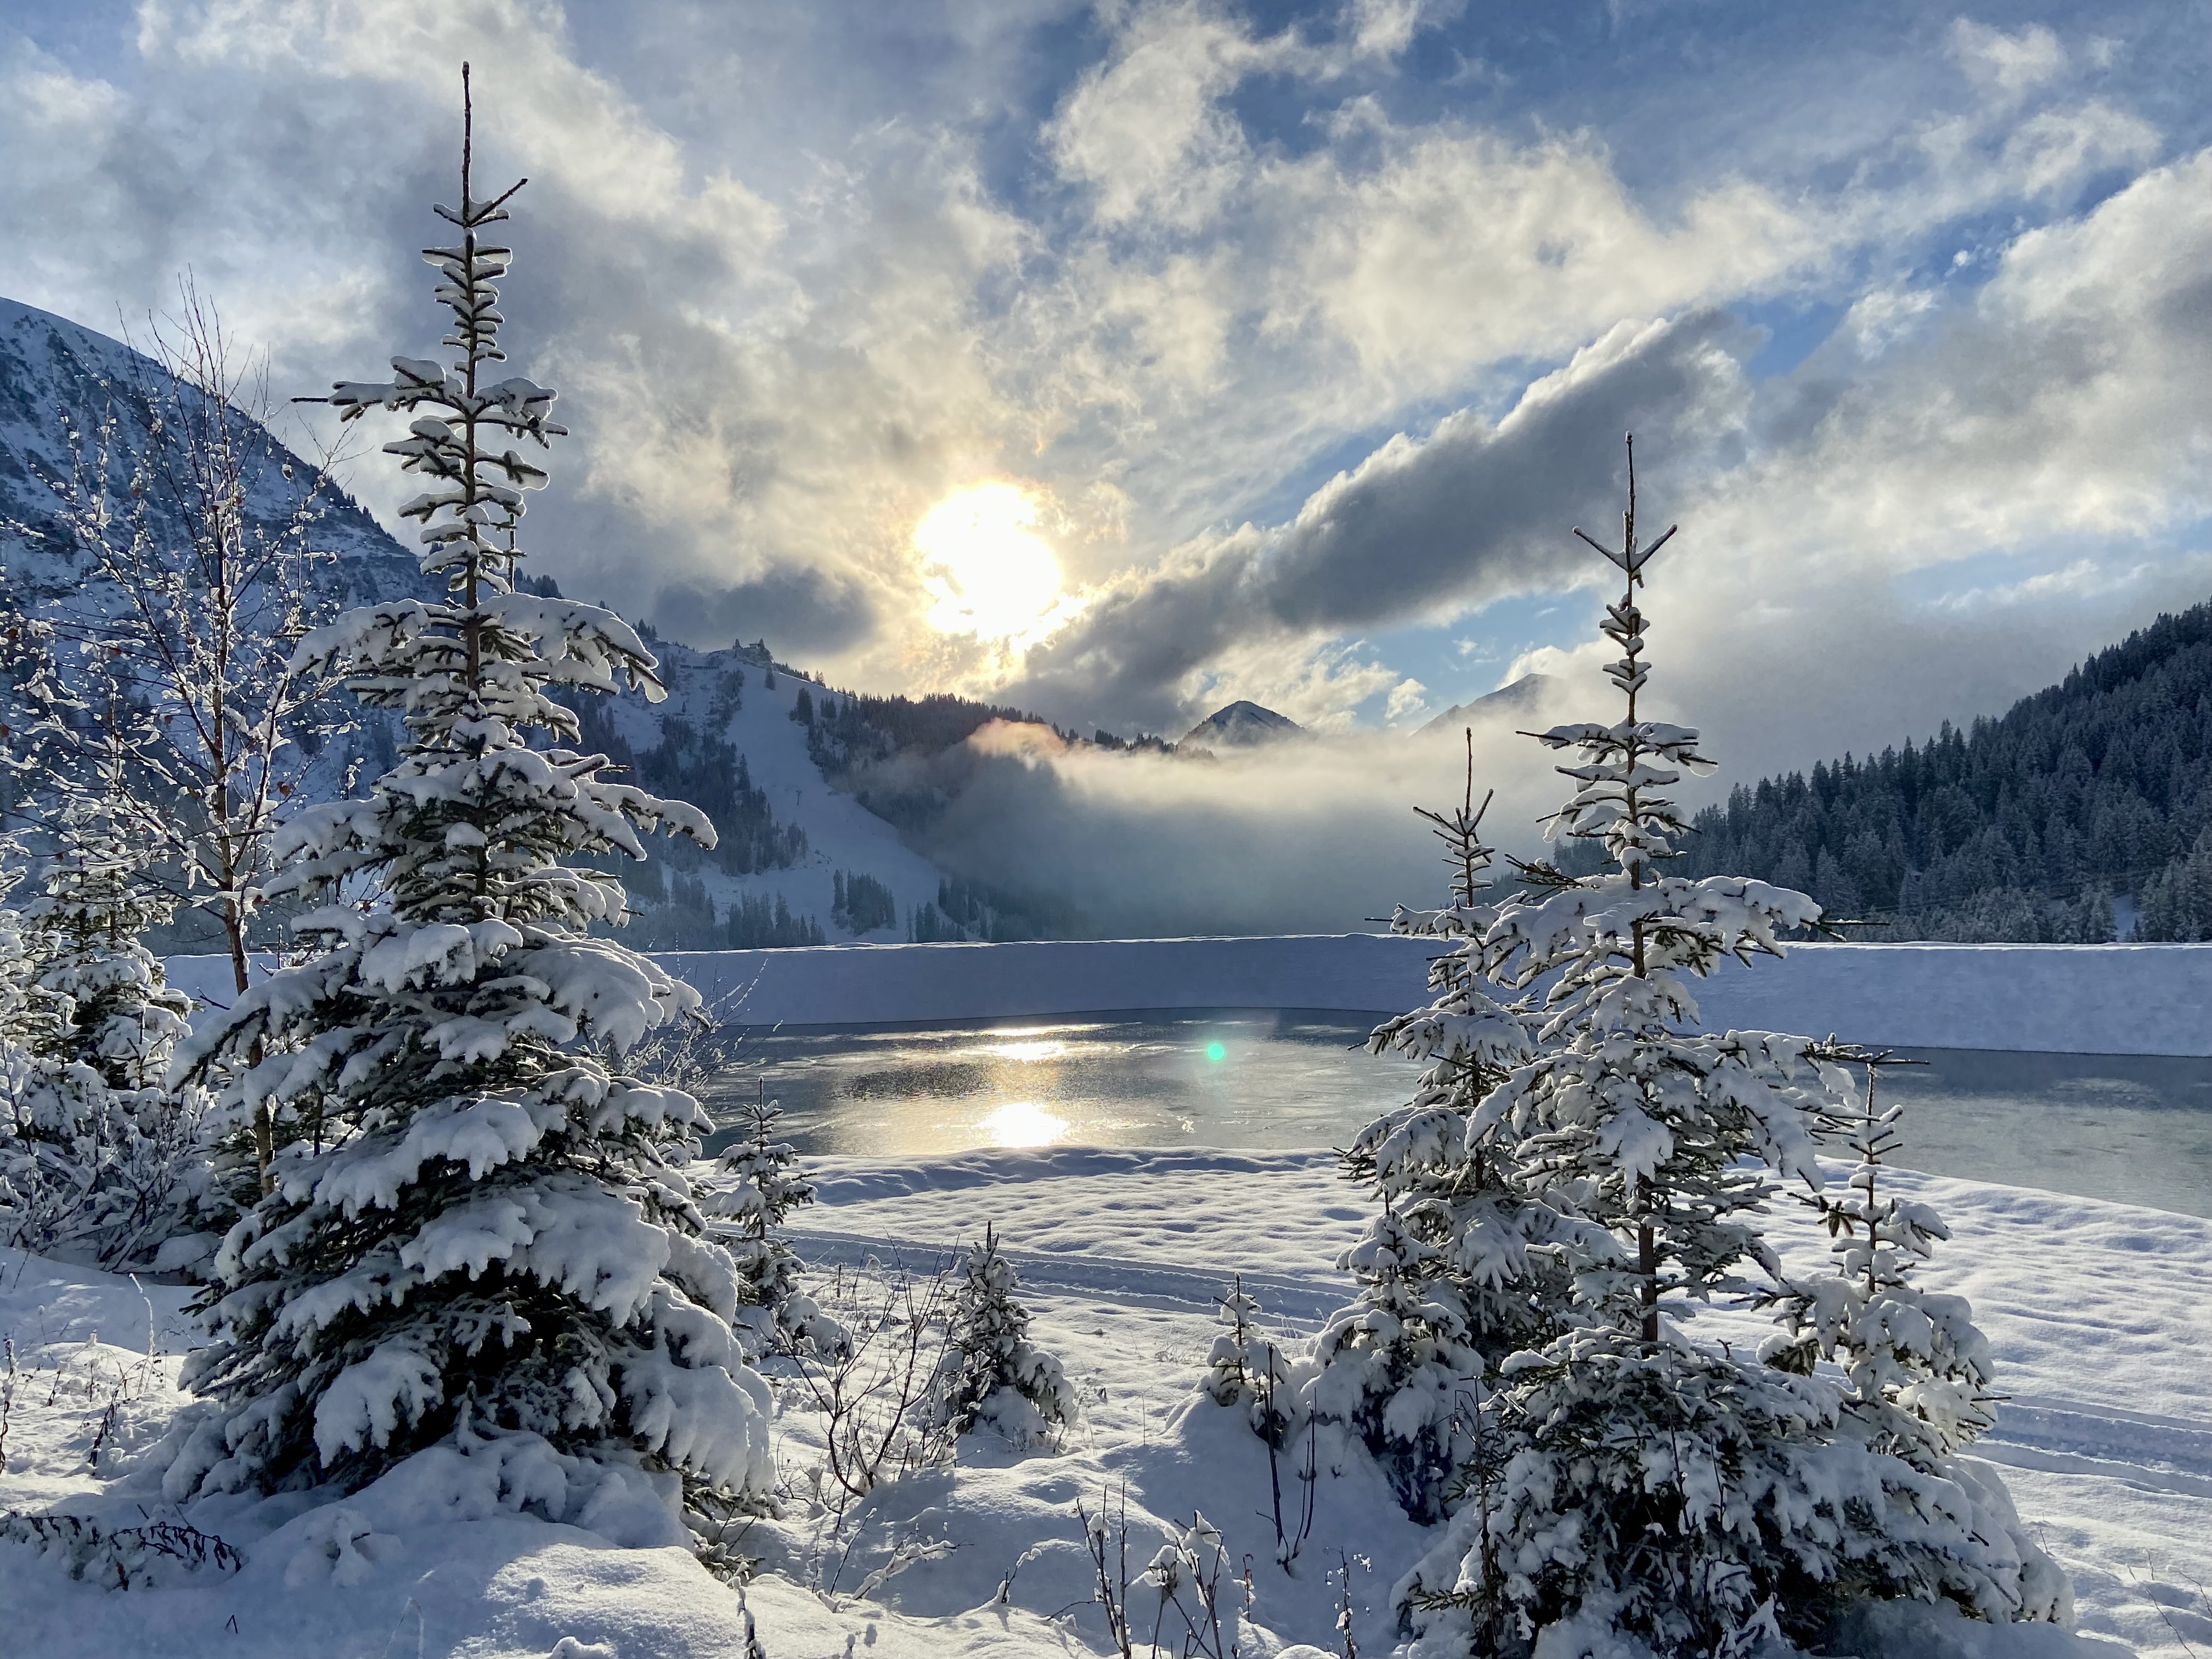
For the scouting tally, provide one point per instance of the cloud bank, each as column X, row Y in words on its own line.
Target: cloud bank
column 1308, row 331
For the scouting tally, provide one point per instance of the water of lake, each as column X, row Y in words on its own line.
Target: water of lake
column 2133, row 1129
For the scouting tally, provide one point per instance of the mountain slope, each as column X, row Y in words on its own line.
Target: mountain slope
column 2017, row 827
column 75, row 406
column 57, row 378
column 732, row 738
column 83, row 413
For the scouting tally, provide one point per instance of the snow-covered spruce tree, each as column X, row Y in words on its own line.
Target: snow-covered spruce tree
column 100, row 1160
column 483, row 1235
column 1657, row 1489
column 1248, row 1371
column 1463, row 1265
column 758, row 1183
column 103, row 1159
column 992, row 1374
column 1917, row 1368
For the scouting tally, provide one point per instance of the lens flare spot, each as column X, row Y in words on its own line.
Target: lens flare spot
column 1216, row 1051
column 1024, row 1123
column 986, row 569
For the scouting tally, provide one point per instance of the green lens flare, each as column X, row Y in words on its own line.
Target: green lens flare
column 1216, row 1051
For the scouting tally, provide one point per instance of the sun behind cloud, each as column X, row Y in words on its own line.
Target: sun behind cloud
column 986, row 570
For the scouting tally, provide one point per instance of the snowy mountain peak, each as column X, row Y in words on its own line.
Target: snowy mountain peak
column 1241, row 724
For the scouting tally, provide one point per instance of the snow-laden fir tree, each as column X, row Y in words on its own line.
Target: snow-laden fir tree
column 758, row 1183
column 1248, row 1371
column 102, row 1158
column 1674, row 1494
column 99, row 1158
column 992, row 1374
column 1463, row 1265
column 1917, row 1367
column 482, row 1235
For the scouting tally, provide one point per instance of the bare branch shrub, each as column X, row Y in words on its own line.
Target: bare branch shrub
column 875, row 1395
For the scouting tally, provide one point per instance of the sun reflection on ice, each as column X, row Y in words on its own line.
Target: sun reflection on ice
column 1028, row 1051
column 1024, row 1123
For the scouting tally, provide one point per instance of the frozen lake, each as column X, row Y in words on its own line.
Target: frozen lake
column 2133, row 1129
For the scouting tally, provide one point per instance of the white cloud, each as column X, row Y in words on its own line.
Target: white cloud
column 2079, row 579
column 1879, row 319
column 2009, row 63
column 1461, row 249
column 1407, row 698
column 1384, row 28
column 1145, row 130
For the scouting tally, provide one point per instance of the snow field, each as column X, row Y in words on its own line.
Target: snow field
column 2095, row 1310
column 840, row 833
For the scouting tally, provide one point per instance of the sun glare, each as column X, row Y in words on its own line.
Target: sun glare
column 986, row 569
column 1046, row 1049
column 1024, row 1123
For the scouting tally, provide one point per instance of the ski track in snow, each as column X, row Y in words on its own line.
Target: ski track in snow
column 2054, row 1433
column 2096, row 1312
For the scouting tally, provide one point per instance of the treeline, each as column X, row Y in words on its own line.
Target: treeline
column 851, row 727
column 860, row 903
column 973, row 910
column 2024, row 827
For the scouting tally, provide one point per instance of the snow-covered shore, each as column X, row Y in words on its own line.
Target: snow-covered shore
column 2038, row 999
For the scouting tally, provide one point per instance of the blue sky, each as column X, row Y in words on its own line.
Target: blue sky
column 1289, row 341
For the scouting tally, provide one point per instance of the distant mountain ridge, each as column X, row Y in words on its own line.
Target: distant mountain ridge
column 1508, row 701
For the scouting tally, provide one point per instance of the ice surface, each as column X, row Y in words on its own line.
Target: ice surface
column 2133, row 1130
column 2037, row 998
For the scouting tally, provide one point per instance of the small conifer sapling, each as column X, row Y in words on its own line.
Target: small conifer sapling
column 992, row 1374
column 1457, row 1271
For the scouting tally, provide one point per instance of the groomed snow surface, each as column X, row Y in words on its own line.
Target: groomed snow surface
column 2097, row 1311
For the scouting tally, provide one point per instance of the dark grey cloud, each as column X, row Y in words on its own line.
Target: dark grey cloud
column 1476, row 511
column 795, row 610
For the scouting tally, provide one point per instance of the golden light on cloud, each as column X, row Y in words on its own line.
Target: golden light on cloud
column 986, row 570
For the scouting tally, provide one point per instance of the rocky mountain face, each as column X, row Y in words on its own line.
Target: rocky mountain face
column 86, row 415
column 77, row 405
